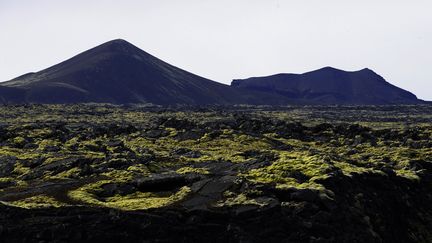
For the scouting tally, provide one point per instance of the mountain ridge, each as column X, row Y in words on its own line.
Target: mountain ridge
column 119, row 72
column 329, row 85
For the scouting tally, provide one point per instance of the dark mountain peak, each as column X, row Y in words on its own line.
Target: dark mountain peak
column 117, row 46
column 328, row 69
column 370, row 73
column 118, row 43
column 366, row 70
column 119, row 72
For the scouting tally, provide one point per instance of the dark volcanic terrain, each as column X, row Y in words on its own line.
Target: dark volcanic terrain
column 331, row 86
column 173, row 157
column 118, row 72
column 104, row 173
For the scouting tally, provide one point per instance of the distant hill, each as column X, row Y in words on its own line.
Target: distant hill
column 331, row 86
column 118, row 72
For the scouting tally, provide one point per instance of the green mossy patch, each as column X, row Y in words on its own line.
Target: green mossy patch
column 38, row 201
column 134, row 201
column 297, row 147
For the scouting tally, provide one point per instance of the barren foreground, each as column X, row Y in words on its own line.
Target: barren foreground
column 86, row 173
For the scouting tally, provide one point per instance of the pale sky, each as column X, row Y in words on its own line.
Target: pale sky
column 229, row 39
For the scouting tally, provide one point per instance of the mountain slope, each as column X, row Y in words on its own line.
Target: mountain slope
column 331, row 86
column 11, row 95
column 119, row 72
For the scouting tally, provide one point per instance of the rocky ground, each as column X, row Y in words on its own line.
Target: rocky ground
column 90, row 173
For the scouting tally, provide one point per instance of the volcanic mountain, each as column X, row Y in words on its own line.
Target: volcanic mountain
column 331, row 86
column 117, row 72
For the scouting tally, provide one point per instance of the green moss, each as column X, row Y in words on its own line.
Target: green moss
column 20, row 169
column 134, row 201
column 141, row 200
column 120, row 175
column 6, row 179
column 290, row 169
column 138, row 144
column 72, row 173
column 48, row 142
column 40, row 133
column 237, row 200
column 348, row 169
column 18, row 153
column 71, row 142
column 219, row 148
column 409, row 174
column 139, row 169
column 172, row 131
column 227, row 148
column 53, row 159
column 39, row 201
column 86, row 195
column 19, row 141
column 7, row 151
column 186, row 170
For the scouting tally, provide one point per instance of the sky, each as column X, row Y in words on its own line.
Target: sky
column 229, row 39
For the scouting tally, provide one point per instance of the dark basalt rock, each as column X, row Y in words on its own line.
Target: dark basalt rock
column 6, row 184
column 189, row 135
column 52, row 148
column 187, row 153
column 33, row 163
column 7, row 165
column 30, row 146
column 178, row 124
column 61, row 165
column 117, row 163
column 115, row 143
column 163, row 182
column 111, row 189
column 307, row 219
column 156, row 133
column 298, row 195
column 216, row 187
column 225, row 203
